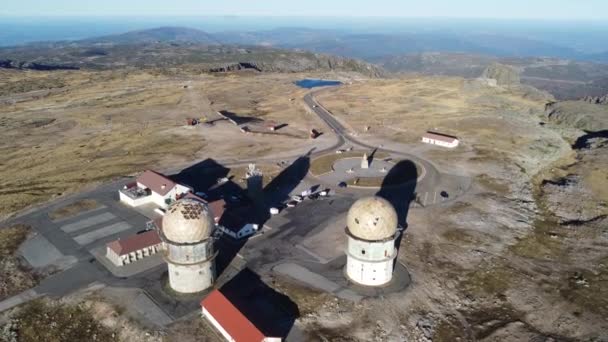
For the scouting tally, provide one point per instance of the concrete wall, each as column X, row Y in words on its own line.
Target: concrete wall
column 440, row 142
column 370, row 263
column 191, row 278
column 133, row 202
column 369, row 273
column 190, row 254
column 121, row 260
column 371, row 251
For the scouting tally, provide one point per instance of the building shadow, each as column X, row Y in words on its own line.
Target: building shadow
column 399, row 188
column 370, row 158
column 238, row 119
column 201, row 176
column 277, row 191
column 273, row 313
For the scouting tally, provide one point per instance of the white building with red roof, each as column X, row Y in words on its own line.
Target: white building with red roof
column 152, row 187
column 133, row 248
column 230, row 321
column 440, row 139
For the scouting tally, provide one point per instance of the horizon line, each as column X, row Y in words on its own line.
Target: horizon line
column 228, row 16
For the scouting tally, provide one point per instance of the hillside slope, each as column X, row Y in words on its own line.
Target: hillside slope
column 172, row 47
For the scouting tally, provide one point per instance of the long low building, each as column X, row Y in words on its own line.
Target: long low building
column 133, row 248
column 440, row 139
column 230, row 321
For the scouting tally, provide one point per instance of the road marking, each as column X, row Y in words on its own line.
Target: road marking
column 88, row 222
column 426, row 194
column 435, row 197
column 97, row 234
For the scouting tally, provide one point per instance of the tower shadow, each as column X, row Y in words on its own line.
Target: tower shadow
column 399, row 188
column 273, row 313
column 277, row 191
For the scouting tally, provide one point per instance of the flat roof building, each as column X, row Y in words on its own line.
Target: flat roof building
column 154, row 187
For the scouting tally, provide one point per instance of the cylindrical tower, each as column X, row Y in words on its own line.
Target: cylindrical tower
column 187, row 235
column 370, row 251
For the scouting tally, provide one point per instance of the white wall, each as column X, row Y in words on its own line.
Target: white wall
column 440, row 142
column 191, row 278
column 370, row 263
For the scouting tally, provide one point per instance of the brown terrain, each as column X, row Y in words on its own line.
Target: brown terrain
column 521, row 256
column 95, row 126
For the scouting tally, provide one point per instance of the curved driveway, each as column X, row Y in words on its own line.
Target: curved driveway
column 430, row 175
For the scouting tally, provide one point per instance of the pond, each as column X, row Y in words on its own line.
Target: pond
column 309, row 83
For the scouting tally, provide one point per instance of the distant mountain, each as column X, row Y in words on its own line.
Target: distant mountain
column 157, row 35
column 111, row 53
column 379, row 45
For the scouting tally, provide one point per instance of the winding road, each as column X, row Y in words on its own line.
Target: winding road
column 430, row 175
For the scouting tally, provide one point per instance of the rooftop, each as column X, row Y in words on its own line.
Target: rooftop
column 135, row 242
column 156, row 182
column 231, row 319
column 440, row 137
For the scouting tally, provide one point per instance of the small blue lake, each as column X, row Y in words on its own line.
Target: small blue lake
column 312, row 83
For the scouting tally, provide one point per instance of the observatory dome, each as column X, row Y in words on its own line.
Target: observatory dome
column 187, row 221
column 372, row 219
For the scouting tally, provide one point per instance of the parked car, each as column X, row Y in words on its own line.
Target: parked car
column 291, row 204
column 342, row 184
column 274, row 211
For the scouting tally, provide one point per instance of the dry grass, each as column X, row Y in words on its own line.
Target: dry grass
column 103, row 125
column 73, row 209
column 42, row 320
column 325, row 163
column 14, row 278
column 494, row 122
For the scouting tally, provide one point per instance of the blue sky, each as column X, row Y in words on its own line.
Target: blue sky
column 505, row 9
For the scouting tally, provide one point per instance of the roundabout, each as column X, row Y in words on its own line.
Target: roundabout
column 357, row 170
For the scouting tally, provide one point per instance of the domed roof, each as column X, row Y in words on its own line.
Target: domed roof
column 187, row 221
column 372, row 219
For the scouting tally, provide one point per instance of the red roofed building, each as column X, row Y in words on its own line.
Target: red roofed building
column 133, row 248
column 440, row 139
column 153, row 187
column 231, row 322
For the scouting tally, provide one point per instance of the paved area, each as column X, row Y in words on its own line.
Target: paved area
column 351, row 167
column 39, row 252
column 88, row 222
column 90, row 237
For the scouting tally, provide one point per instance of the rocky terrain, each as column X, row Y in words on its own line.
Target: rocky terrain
column 565, row 79
column 523, row 255
column 172, row 47
column 596, row 99
column 579, row 114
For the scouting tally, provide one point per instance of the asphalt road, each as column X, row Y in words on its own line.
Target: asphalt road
column 431, row 174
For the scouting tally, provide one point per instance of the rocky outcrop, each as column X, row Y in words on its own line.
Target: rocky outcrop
column 571, row 201
column 603, row 100
column 24, row 65
column 235, row 67
column 578, row 114
column 503, row 74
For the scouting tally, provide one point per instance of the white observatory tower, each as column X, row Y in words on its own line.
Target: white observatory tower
column 187, row 235
column 370, row 252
